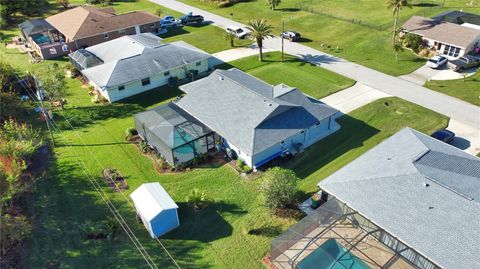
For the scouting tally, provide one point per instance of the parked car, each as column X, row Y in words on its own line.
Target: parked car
column 444, row 135
column 436, row 62
column 291, row 35
column 464, row 62
column 168, row 24
column 190, row 19
column 168, row 18
column 239, row 32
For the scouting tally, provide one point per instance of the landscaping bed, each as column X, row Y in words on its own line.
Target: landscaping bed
column 114, row 179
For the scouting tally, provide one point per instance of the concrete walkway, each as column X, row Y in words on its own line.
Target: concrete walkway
column 354, row 97
column 235, row 54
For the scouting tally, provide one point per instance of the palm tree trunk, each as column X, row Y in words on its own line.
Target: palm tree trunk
column 395, row 27
column 260, row 50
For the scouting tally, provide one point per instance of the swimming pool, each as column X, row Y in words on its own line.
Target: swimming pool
column 325, row 258
column 41, row 39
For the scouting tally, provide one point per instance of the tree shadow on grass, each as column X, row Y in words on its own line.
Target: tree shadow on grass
column 352, row 135
column 206, row 225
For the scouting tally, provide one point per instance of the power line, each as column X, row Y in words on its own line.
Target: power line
column 107, row 201
column 103, row 167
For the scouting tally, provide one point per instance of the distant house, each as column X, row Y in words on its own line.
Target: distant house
column 155, row 208
column 83, row 26
column 449, row 39
column 459, row 17
column 133, row 64
column 258, row 122
column 410, row 202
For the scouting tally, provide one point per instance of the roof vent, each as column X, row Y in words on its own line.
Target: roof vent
column 389, row 159
column 220, row 78
column 425, row 184
column 269, row 104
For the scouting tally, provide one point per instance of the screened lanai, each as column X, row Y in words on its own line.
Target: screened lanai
column 173, row 133
column 335, row 236
column 84, row 59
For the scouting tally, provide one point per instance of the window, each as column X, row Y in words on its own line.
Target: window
column 166, row 73
column 122, row 32
column 451, row 51
column 152, row 26
column 121, row 87
column 198, row 63
column 145, row 81
column 106, row 35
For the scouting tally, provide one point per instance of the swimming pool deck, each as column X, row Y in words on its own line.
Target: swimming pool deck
column 368, row 249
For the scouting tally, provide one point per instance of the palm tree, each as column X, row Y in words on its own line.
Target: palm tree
column 259, row 30
column 273, row 3
column 396, row 6
column 397, row 48
column 229, row 36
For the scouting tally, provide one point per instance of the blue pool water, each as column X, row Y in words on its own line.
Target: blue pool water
column 40, row 39
column 325, row 258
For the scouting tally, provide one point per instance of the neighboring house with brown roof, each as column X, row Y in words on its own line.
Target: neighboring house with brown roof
column 84, row 26
column 449, row 39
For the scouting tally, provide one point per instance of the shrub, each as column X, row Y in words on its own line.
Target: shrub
column 198, row 199
column 14, row 230
column 246, row 169
column 279, row 187
column 144, row 146
column 240, row 163
column 129, row 132
column 413, row 41
column 105, row 229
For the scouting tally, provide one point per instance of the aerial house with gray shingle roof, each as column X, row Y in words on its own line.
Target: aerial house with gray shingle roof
column 255, row 120
column 410, row 202
column 133, row 64
column 448, row 39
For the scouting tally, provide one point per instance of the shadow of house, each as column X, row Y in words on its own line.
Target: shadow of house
column 206, row 225
column 352, row 134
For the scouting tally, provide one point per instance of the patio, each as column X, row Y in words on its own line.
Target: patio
column 356, row 237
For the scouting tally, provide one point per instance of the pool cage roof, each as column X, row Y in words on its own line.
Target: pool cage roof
column 172, row 125
column 359, row 243
column 85, row 59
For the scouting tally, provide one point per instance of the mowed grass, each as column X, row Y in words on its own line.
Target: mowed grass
column 311, row 79
column 467, row 90
column 360, row 44
column 225, row 235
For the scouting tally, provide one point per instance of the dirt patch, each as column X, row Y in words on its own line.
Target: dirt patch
column 114, row 179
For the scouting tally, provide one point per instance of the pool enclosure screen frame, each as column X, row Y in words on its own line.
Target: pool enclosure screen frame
column 174, row 134
column 325, row 218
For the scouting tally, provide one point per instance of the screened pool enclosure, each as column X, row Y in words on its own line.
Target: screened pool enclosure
column 335, row 236
column 174, row 134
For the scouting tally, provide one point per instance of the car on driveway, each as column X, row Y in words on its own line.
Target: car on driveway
column 239, row 32
column 291, row 35
column 168, row 24
column 168, row 18
column 436, row 62
column 463, row 63
column 444, row 135
column 190, row 19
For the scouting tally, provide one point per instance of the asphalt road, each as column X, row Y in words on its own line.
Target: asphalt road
column 454, row 108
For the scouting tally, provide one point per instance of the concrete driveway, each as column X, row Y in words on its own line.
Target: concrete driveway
column 424, row 73
column 235, row 54
column 467, row 138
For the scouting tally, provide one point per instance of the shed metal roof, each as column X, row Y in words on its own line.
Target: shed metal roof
column 151, row 199
column 419, row 189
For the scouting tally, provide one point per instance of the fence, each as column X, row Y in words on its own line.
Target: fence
column 430, row 8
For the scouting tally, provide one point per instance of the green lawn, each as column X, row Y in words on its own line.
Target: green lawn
column 468, row 90
column 356, row 43
column 311, row 79
column 218, row 237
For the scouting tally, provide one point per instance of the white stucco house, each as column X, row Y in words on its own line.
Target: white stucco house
column 448, row 39
column 133, row 64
